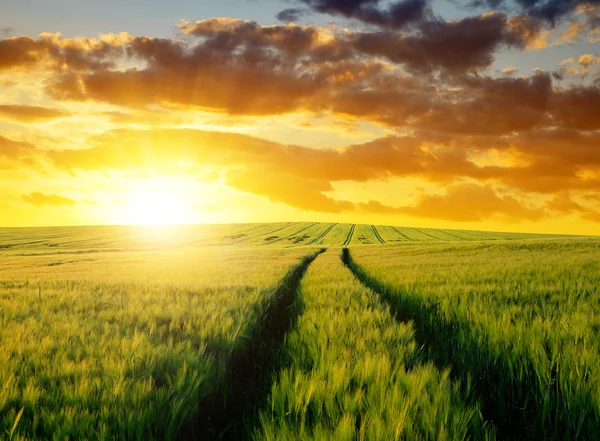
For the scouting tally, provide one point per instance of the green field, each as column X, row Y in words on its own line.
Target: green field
column 298, row 331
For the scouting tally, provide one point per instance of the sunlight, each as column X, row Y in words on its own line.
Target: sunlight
column 158, row 202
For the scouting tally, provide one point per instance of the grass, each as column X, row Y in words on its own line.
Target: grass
column 519, row 320
column 238, row 332
column 356, row 373
column 127, row 354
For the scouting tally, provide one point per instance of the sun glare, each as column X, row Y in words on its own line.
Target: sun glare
column 158, row 203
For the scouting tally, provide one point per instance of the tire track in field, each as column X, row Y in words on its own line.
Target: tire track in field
column 349, row 237
column 402, row 234
column 249, row 371
column 287, row 225
column 227, row 233
column 325, row 233
column 452, row 234
column 406, row 316
column 266, row 233
column 377, row 236
column 427, row 234
column 484, row 235
column 301, row 230
column 424, row 337
column 444, row 341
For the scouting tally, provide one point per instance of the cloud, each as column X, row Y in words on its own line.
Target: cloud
column 563, row 204
column 453, row 122
column 165, row 148
column 577, row 108
column 291, row 15
column 53, row 52
column 16, row 154
column 456, row 46
column 544, row 165
column 20, row 52
column 498, row 106
column 229, row 74
column 241, row 68
column 31, row 114
column 551, row 11
column 304, row 193
column 510, row 70
column 586, row 60
column 554, row 10
column 541, row 162
column 144, row 118
column 398, row 14
column 470, row 202
column 40, row 199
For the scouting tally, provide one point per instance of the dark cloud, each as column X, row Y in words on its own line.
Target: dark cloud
column 21, row 52
column 577, row 108
column 550, row 11
column 238, row 67
column 291, row 15
column 396, row 16
column 481, row 106
column 226, row 34
column 456, row 46
column 40, row 199
column 553, row 10
column 61, row 54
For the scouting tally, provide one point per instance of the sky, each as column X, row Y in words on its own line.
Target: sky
column 477, row 114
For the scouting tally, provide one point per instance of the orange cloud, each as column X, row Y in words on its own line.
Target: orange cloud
column 510, row 70
column 426, row 84
column 14, row 154
column 303, row 177
column 586, row 60
column 52, row 51
column 420, row 80
column 468, row 202
column 240, row 68
column 31, row 114
column 300, row 192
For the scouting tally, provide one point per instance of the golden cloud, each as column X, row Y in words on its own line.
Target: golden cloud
column 31, row 114
column 39, row 199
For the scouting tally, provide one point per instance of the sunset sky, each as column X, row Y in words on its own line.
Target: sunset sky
column 478, row 114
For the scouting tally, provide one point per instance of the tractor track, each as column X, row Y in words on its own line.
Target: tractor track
column 402, row 234
column 322, row 235
column 377, row 236
column 301, row 230
column 349, row 237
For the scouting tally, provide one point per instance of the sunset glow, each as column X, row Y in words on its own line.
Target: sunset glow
column 159, row 203
column 318, row 110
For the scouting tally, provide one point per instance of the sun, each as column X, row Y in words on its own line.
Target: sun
column 158, row 202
